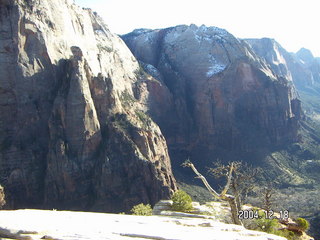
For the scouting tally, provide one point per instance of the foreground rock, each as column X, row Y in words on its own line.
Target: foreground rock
column 81, row 225
column 219, row 211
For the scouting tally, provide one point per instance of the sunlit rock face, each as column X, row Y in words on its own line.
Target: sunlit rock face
column 312, row 63
column 72, row 133
column 225, row 100
column 302, row 68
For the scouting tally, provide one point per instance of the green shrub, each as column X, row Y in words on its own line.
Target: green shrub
column 142, row 210
column 127, row 99
column 267, row 225
column 264, row 224
column 144, row 118
column 182, row 201
column 287, row 234
column 303, row 224
column 271, row 226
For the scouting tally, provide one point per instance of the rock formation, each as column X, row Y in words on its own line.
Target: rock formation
column 301, row 68
column 224, row 100
column 72, row 132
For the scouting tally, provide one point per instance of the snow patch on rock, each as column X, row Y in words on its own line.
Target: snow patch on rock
column 215, row 30
column 204, row 33
column 215, row 67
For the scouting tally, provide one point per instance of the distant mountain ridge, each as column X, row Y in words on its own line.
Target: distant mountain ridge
column 302, row 68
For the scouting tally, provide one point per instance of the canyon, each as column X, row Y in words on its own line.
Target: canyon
column 99, row 122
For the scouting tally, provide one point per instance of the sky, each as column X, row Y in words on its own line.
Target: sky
column 293, row 23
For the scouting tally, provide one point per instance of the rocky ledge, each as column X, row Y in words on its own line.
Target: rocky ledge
column 40, row 224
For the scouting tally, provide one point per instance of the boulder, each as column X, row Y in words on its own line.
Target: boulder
column 162, row 205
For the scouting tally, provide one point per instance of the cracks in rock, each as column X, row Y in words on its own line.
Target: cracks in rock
column 227, row 52
column 160, row 44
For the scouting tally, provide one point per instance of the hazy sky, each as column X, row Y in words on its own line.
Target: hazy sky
column 293, row 23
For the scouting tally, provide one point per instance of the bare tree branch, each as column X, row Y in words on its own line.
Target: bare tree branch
column 242, row 181
column 203, row 179
column 223, row 196
column 227, row 186
column 2, row 197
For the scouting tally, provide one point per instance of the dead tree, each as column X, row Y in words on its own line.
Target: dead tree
column 2, row 197
column 223, row 195
column 243, row 178
column 268, row 192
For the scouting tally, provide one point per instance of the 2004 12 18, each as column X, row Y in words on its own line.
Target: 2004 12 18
column 252, row 214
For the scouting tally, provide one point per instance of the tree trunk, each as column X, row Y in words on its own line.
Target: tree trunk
column 236, row 195
column 234, row 209
column 223, row 196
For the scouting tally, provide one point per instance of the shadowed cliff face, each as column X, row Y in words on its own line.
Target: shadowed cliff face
column 73, row 134
column 226, row 101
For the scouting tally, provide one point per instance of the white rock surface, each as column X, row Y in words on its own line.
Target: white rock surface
column 83, row 225
column 71, row 26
